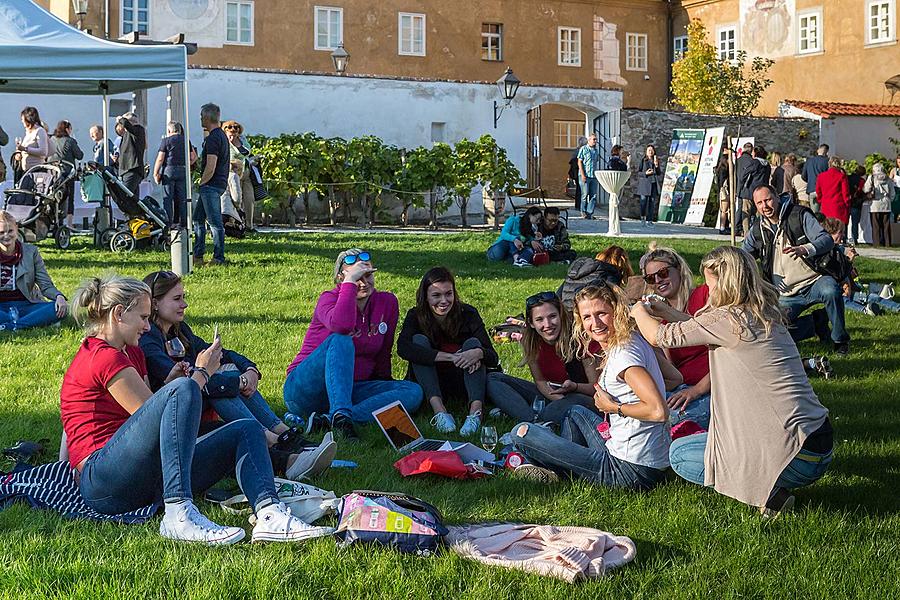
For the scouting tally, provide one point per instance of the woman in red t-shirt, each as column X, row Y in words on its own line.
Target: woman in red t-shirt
column 670, row 277
column 559, row 377
column 132, row 447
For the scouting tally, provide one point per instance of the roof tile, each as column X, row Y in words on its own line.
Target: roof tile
column 828, row 110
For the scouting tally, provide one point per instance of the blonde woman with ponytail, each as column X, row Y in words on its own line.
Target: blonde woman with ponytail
column 768, row 432
column 630, row 390
column 132, row 447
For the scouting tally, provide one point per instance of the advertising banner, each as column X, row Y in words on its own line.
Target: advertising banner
column 681, row 171
column 706, row 173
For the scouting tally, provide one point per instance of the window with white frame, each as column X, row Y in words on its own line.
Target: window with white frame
column 491, row 41
column 135, row 16
column 880, row 21
column 329, row 27
column 239, row 22
column 809, row 33
column 635, row 51
column 727, row 42
column 679, row 46
column 412, row 34
column 569, row 47
column 566, row 134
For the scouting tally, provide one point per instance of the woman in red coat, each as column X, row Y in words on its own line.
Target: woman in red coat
column 833, row 191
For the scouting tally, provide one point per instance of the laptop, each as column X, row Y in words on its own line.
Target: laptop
column 401, row 430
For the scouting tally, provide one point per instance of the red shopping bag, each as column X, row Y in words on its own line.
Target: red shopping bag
column 438, row 462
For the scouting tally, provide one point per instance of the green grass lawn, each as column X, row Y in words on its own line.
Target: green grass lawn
column 843, row 540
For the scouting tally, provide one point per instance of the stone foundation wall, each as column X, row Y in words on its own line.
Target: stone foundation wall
column 642, row 127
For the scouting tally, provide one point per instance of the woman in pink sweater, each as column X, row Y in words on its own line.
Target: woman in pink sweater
column 343, row 369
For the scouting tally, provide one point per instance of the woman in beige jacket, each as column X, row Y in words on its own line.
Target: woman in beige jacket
column 768, row 431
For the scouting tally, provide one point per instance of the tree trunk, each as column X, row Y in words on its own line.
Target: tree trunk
column 432, row 216
column 347, row 198
column 306, row 206
column 291, row 215
column 404, row 216
column 331, row 205
column 463, row 211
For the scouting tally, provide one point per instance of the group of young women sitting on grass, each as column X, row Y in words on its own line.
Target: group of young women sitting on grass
column 143, row 390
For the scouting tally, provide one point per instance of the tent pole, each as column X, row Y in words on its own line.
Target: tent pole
column 189, row 260
column 103, row 216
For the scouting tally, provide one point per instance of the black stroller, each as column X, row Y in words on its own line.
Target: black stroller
column 36, row 203
column 147, row 223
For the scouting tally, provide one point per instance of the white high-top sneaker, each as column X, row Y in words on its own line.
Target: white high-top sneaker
column 275, row 523
column 188, row 524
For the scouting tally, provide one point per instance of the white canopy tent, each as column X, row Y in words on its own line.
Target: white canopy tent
column 40, row 54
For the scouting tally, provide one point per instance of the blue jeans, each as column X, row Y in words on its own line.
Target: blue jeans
column 825, row 290
column 515, row 396
column 581, row 451
column 254, row 407
column 156, row 454
column 686, row 456
column 174, row 193
column 504, row 250
column 648, row 208
column 589, row 191
column 31, row 314
column 855, row 215
column 323, row 383
column 696, row 411
column 860, row 299
column 209, row 208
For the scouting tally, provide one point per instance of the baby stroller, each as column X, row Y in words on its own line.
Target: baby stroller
column 36, row 203
column 147, row 223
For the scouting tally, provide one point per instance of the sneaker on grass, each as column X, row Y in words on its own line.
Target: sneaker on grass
column 780, row 502
column 521, row 262
column 185, row 523
column 471, row 424
column 533, row 472
column 343, row 425
column 317, row 422
column 443, row 422
column 275, row 523
column 313, row 461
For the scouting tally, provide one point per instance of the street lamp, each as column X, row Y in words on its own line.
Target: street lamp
column 81, row 8
column 340, row 58
column 509, row 85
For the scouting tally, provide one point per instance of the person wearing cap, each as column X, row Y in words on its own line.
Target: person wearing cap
column 131, row 151
column 343, row 369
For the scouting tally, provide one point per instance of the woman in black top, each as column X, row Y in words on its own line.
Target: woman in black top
column 64, row 147
column 648, row 184
column 448, row 350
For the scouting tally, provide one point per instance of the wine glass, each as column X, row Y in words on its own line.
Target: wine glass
column 175, row 349
column 489, row 439
column 538, row 406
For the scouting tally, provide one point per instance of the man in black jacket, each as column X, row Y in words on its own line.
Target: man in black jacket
column 131, row 152
column 757, row 173
column 742, row 204
column 555, row 237
column 812, row 168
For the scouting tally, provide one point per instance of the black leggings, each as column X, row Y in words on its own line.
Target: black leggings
column 448, row 384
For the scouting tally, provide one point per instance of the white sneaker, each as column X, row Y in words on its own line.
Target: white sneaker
column 189, row 525
column 443, row 422
column 275, row 523
column 315, row 460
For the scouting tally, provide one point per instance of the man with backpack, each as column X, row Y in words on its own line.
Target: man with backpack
column 797, row 256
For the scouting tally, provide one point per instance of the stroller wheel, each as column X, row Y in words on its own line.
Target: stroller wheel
column 106, row 236
column 122, row 241
column 63, row 237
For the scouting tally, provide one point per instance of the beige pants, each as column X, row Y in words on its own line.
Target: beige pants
column 248, row 200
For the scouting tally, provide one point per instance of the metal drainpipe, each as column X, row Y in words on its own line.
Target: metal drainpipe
column 670, row 52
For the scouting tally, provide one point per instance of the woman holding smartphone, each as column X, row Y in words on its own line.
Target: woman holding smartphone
column 559, row 378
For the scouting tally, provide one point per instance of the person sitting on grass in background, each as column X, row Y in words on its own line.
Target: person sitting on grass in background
column 518, row 239
column 233, row 391
column 555, row 237
column 24, row 283
column 630, row 391
column 617, row 256
column 768, row 432
column 343, row 370
column 448, row 350
column 668, row 275
column 559, row 377
column 133, row 447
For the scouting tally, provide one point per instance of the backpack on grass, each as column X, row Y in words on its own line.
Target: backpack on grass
column 583, row 272
column 395, row 520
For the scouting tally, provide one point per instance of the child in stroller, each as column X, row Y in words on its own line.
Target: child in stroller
column 147, row 223
column 37, row 202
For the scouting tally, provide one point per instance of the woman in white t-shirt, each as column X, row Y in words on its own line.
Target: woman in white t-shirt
column 633, row 451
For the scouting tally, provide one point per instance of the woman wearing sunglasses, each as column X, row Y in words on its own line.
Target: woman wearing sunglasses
column 668, row 275
column 448, row 350
column 633, row 450
column 232, row 391
column 343, row 369
column 558, row 376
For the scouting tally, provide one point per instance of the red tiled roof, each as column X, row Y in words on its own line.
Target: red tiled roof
column 827, row 110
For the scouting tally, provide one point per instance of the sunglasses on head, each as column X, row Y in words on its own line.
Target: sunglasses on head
column 652, row 278
column 539, row 298
column 352, row 259
column 156, row 277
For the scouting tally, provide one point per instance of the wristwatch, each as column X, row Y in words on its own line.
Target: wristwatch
column 243, row 380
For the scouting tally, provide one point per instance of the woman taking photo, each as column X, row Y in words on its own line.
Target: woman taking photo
column 769, row 433
column 648, row 184
column 519, row 239
column 24, row 283
column 668, row 275
column 343, row 369
column 132, row 447
column 630, row 391
column 558, row 376
column 232, row 391
column 448, row 350
column 64, row 147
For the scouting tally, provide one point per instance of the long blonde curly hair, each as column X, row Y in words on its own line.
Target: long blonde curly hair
column 623, row 324
column 741, row 290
